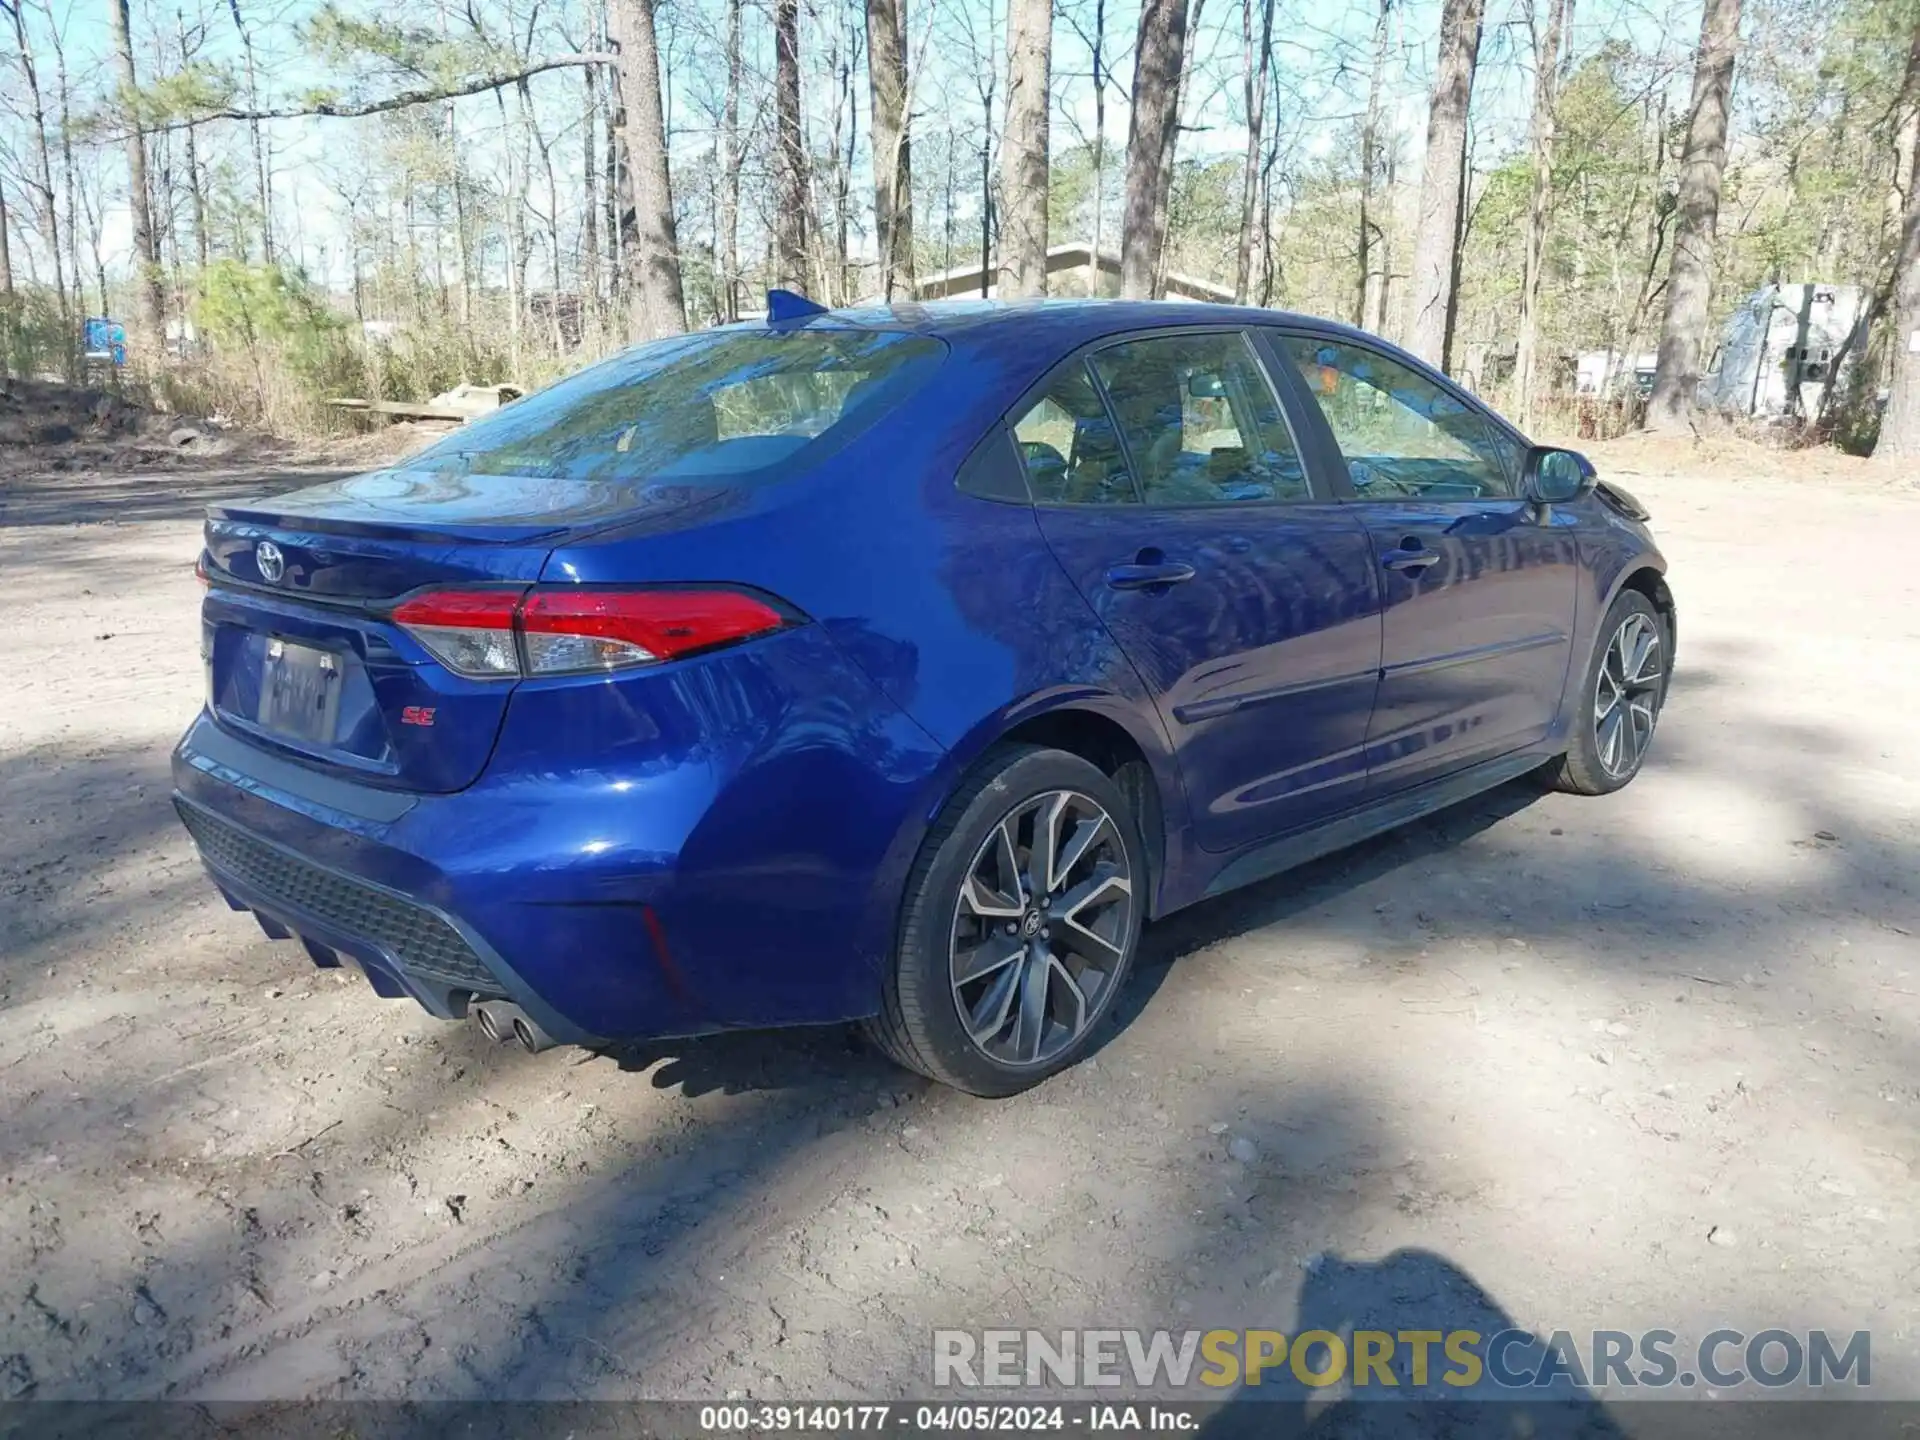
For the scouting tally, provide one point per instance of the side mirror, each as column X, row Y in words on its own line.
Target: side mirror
column 1555, row 477
column 1205, row 386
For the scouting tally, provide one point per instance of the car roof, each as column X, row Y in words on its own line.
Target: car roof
column 1069, row 321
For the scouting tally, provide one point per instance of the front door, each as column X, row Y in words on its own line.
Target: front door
column 1168, row 483
column 1479, row 589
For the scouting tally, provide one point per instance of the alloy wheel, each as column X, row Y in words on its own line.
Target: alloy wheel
column 1626, row 695
column 1041, row 928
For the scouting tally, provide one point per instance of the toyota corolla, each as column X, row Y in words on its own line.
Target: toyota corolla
column 896, row 666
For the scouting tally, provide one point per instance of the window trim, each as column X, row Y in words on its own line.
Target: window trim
column 1491, row 418
column 1083, row 356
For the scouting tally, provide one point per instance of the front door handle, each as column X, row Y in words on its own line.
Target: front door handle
column 1410, row 559
column 1140, row 576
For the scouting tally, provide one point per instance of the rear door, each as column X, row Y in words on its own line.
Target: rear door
column 1479, row 590
column 1168, row 481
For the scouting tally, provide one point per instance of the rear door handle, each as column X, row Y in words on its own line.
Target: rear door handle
column 1145, row 577
column 1410, row 559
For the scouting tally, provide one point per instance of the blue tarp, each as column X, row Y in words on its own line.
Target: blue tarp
column 103, row 337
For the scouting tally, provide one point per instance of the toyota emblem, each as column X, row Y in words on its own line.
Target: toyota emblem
column 271, row 562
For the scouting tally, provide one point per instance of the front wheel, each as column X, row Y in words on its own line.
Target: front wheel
column 1619, row 700
column 1019, row 926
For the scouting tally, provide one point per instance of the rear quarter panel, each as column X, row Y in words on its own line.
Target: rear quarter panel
column 951, row 605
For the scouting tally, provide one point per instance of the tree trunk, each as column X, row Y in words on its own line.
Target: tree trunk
column 590, row 204
column 615, row 190
column 1258, row 53
column 196, row 182
column 1899, row 443
column 42, row 180
column 790, row 226
column 8, row 301
column 1023, row 150
column 69, row 176
column 1437, row 231
column 1097, row 279
column 6, row 259
column 1702, row 167
column 652, row 263
column 1364, row 290
column 262, row 174
column 731, row 158
column 1163, row 206
column 197, row 188
column 1546, row 75
column 1159, row 54
column 892, row 146
column 152, row 302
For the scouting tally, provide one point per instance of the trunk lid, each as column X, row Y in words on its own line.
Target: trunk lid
column 301, row 652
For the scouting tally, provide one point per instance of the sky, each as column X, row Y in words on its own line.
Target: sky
column 1320, row 50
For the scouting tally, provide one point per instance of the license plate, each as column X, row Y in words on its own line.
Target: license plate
column 300, row 691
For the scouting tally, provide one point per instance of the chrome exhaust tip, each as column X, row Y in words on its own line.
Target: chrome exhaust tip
column 495, row 1020
column 502, row 1020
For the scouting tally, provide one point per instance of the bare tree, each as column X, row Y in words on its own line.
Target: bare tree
column 1702, row 167
column 732, row 153
column 1899, row 442
column 1023, row 149
column 196, row 178
column 1546, row 73
column 590, row 198
column 892, row 145
column 652, row 260
column 1369, row 298
column 41, row 181
column 1437, row 232
column 152, row 300
column 1095, row 40
column 790, row 224
column 1259, row 55
column 262, row 172
column 1159, row 54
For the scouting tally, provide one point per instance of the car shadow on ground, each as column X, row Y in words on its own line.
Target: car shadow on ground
column 748, row 1061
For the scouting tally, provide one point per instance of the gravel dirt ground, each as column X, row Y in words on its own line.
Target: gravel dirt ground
column 1645, row 1061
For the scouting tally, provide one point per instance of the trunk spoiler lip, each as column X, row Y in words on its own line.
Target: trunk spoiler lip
column 261, row 514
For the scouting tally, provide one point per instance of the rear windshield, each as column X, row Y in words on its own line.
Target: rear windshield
column 724, row 404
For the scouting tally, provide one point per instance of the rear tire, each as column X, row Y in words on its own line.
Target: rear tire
column 1621, row 694
column 992, row 991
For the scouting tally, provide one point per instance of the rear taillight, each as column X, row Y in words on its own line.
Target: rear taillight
column 469, row 631
column 566, row 631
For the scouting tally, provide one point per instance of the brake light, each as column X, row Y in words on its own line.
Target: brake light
column 567, row 631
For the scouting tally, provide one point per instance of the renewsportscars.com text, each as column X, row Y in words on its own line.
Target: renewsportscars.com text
column 1456, row 1360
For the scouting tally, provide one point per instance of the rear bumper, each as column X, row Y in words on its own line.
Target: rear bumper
column 615, row 886
column 404, row 948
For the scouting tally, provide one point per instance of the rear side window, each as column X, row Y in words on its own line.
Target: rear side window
column 724, row 405
column 1068, row 446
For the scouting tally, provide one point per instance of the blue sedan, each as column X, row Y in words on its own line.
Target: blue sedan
column 896, row 666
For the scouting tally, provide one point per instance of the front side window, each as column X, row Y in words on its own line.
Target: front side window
column 1200, row 420
column 1401, row 434
column 1067, row 444
column 697, row 408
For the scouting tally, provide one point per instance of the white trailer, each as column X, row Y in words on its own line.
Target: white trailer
column 1778, row 349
